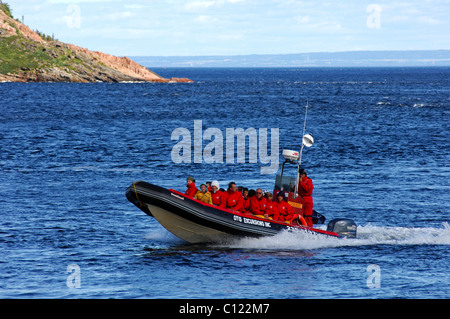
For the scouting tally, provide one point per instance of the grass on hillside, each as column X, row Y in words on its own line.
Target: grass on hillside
column 15, row 55
column 18, row 53
column 6, row 9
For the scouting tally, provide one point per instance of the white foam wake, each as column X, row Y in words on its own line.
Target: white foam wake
column 299, row 240
column 367, row 235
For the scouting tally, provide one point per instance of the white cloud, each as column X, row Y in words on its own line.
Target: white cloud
column 240, row 26
column 206, row 19
column 429, row 20
column 198, row 5
column 120, row 15
column 78, row 1
column 227, row 37
column 303, row 19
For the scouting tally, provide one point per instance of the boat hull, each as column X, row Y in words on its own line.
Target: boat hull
column 198, row 222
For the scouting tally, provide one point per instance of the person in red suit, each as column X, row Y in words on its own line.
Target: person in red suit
column 285, row 211
column 271, row 207
column 218, row 198
column 305, row 189
column 191, row 189
column 257, row 204
column 234, row 200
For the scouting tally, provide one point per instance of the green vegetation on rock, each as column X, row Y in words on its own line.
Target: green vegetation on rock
column 6, row 9
column 32, row 56
column 19, row 53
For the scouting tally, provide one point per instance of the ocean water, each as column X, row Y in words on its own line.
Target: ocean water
column 69, row 151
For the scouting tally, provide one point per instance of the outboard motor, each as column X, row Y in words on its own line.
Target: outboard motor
column 343, row 226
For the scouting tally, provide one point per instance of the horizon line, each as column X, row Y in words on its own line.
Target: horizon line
column 297, row 53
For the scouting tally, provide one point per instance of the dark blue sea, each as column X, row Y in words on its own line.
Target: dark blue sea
column 381, row 157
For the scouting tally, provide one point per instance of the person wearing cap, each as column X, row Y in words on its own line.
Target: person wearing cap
column 191, row 189
column 305, row 189
column 217, row 197
column 285, row 211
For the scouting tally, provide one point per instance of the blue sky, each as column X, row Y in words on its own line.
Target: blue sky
column 235, row 27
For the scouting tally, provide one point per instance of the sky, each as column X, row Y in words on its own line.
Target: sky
column 239, row 27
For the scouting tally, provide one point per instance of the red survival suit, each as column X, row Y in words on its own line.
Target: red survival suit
column 257, row 206
column 218, row 198
column 191, row 190
column 271, row 210
column 285, row 211
column 234, row 200
column 305, row 189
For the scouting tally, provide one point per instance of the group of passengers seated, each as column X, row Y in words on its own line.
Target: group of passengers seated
column 242, row 200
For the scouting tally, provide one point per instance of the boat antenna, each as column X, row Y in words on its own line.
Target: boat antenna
column 303, row 134
column 307, row 140
column 306, row 114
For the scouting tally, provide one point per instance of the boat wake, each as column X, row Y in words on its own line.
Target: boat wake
column 368, row 235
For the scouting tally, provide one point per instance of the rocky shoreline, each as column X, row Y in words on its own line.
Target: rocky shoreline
column 55, row 61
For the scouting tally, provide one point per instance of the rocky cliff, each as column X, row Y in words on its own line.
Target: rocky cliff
column 26, row 57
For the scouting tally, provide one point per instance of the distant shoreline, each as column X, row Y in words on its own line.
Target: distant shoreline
column 160, row 68
column 422, row 58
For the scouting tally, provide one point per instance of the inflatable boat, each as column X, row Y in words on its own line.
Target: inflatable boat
column 197, row 222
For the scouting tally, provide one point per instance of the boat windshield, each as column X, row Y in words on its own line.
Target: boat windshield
column 285, row 183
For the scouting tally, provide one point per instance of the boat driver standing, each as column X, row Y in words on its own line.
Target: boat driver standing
column 305, row 189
